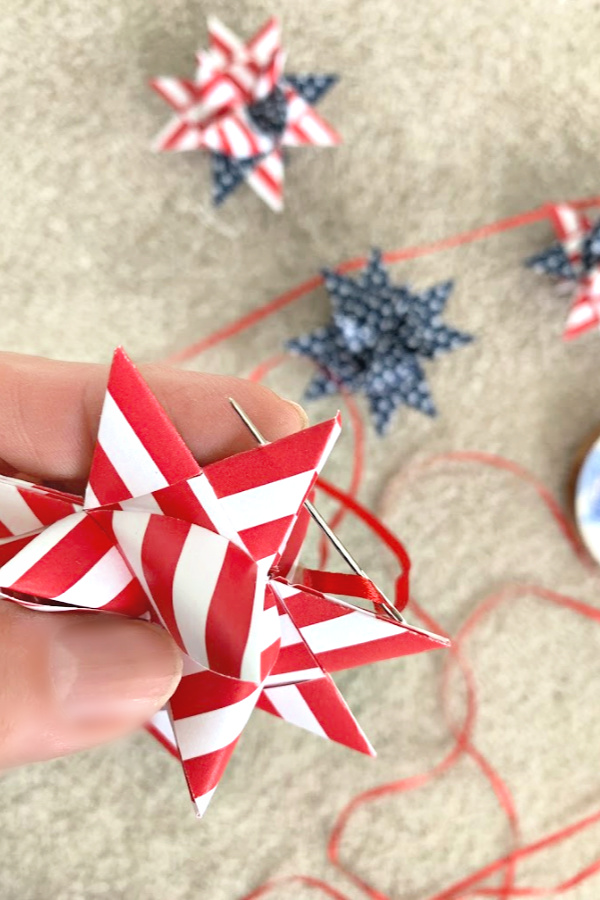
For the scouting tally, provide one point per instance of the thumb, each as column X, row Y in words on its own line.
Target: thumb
column 72, row 680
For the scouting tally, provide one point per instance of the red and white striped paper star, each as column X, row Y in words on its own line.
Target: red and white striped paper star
column 577, row 256
column 215, row 111
column 202, row 552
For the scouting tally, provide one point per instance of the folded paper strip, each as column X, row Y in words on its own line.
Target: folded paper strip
column 203, row 552
column 243, row 110
column 574, row 259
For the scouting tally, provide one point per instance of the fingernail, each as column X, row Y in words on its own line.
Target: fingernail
column 107, row 667
column 301, row 412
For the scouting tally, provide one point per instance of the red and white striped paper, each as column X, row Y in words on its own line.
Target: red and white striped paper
column 198, row 552
column 572, row 227
column 211, row 111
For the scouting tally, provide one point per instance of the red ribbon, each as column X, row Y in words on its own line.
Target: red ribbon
column 472, row 885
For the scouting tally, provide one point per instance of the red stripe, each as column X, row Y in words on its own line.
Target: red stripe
column 237, row 95
column 265, row 540
column 324, row 126
column 404, row 644
column 557, row 218
column 265, row 704
column 298, row 131
column 294, row 543
column 291, row 455
column 161, row 549
column 104, row 518
column 260, row 34
column 310, row 608
column 575, row 331
column 333, row 714
column 208, row 86
column 230, row 612
column 62, row 566
column 203, row 773
column 189, row 86
column 159, row 736
column 239, row 87
column 270, row 654
column 172, row 142
column 224, row 141
column 11, row 548
column 309, row 112
column 180, row 502
column 46, row 507
column 206, row 691
column 131, row 601
column 149, row 421
column 268, row 659
column 105, row 481
column 262, row 172
column 294, row 658
column 4, row 531
column 219, row 44
column 250, row 137
column 270, row 597
column 75, row 499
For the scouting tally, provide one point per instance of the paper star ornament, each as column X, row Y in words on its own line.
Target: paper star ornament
column 203, row 553
column 574, row 259
column 378, row 334
column 243, row 110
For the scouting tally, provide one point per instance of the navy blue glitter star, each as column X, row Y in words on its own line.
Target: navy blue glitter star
column 555, row 262
column 269, row 116
column 377, row 335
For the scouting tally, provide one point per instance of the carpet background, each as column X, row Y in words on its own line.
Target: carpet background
column 454, row 115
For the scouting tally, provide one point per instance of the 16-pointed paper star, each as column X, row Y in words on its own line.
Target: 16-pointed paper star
column 373, row 344
column 243, row 110
column 575, row 259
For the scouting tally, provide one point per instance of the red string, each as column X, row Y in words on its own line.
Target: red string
column 311, row 284
column 463, row 743
column 358, row 432
column 499, row 462
column 473, row 885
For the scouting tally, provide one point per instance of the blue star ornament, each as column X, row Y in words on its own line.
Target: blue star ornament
column 378, row 334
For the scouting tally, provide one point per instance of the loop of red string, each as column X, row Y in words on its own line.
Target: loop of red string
column 476, row 883
column 357, row 586
column 472, row 885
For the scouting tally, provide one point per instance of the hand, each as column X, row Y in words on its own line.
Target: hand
column 69, row 681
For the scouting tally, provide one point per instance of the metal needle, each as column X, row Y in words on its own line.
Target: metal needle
column 323, row 525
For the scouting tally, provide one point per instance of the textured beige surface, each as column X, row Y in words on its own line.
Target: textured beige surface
column 454, row 114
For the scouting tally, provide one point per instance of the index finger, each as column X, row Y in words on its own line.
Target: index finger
column 50, row 411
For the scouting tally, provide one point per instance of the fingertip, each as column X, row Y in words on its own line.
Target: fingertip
column 301, row 413
column 280, row 417
column 112, row 670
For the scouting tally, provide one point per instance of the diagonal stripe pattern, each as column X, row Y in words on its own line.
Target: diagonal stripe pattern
column 242, row 109
column 198, row 552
